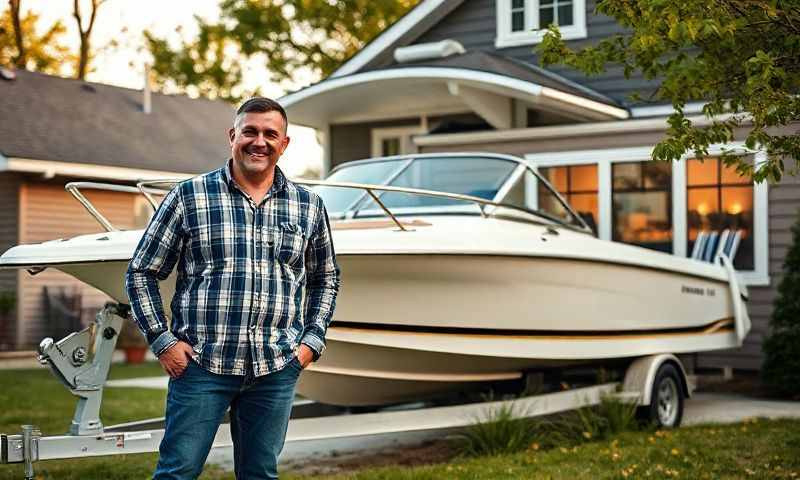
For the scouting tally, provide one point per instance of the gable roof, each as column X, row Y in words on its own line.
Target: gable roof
column 426, row 14
column 67, row 120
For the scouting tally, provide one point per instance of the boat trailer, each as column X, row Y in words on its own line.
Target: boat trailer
column 81, row 361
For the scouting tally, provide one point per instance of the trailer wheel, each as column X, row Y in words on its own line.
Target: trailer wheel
column 666, row 399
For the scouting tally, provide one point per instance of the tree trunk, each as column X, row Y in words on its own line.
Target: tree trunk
column 85, row 33
column 21, row 59
column 83, row 59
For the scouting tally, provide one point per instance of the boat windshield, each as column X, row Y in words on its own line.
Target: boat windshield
column 342, row 200
column 490, row 178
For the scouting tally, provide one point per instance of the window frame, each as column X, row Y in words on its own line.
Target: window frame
column 719, row 186
column 533, row 32
column 567, row 195
column 604, row 158
column 641, row 189
column 403, row 133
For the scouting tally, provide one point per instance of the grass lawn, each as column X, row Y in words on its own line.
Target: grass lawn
column 36, row 397
column 755, row 449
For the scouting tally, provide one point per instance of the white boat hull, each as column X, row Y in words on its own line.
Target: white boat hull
column 362, row 367
column 413, row 321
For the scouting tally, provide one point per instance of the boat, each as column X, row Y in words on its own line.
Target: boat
column 461, row 270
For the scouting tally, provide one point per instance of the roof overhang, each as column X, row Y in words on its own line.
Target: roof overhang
column 415, row 91
column 51, row 168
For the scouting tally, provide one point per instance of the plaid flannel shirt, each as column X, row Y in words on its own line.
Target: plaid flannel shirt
column 253, row 281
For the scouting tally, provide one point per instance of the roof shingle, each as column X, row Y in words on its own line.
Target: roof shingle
column 50, row 118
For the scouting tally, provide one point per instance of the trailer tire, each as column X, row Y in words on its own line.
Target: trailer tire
column 666, row 399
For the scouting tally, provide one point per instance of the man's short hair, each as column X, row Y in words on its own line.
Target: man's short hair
column 261, row 105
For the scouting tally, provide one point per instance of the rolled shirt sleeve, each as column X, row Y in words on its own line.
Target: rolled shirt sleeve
column 153, row 261
column 323, row 284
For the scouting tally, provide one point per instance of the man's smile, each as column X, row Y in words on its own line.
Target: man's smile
column 258, row 153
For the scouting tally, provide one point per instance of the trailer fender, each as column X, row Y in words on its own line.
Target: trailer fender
column 640, row 375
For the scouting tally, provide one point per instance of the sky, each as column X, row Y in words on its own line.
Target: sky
column 124, row 21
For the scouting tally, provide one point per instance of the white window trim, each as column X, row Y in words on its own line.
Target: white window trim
column 533, row 32
column 604, row 158
column 405, row 134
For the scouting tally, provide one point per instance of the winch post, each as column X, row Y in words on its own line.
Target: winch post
column 30, row 449
column 69, row 360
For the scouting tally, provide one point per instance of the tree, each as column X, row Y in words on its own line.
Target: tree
column 206, row 66
column 291, row 36
column 781, row 369
column 85, row 32
column 22, row 46
column 740, row 56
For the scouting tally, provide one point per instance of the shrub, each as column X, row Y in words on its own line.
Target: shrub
column 7, row 302
column 609, row 417
column 499, row 432
column 781, row 368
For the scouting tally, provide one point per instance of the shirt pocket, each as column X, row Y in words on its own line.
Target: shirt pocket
column 290, row 245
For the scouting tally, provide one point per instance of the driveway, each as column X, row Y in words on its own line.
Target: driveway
column 729, row 408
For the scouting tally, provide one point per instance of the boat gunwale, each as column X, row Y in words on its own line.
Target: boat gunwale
column 710, row 276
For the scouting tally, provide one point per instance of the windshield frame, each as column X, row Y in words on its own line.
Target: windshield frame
column 506, row 186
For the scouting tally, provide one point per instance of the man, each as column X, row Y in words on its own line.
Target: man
column 255, row 290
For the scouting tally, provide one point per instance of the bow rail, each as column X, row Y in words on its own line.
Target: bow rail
column 148, row 188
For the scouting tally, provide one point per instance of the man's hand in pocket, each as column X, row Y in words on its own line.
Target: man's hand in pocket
column 175, row 360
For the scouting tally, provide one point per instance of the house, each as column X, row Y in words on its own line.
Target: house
column 55, row 130
column 455, row 75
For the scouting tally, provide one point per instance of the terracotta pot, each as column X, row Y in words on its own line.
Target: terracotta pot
column 135, row 354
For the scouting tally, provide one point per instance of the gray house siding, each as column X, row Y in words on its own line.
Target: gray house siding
column 9, row 236
column 783, row 210
column 473, row 23
column 353, row 141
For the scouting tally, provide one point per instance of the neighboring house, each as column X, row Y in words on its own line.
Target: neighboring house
column 456, row 75
column 55, row 130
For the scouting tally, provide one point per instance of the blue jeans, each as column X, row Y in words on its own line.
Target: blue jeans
column 196, row 405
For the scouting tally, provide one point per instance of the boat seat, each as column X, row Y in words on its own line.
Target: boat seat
column 710, row 245
column 731, row 245
column 699, row 245
column 722, row 241
column 710, row 249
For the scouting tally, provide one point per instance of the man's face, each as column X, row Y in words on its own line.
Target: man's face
column 257, row 141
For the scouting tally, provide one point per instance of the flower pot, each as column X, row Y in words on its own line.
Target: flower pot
column 135, row 354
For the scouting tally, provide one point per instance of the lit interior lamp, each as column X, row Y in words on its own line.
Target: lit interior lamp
column 702, row 209
column 735, row 209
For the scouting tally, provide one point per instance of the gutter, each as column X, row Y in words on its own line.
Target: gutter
column 559, row 131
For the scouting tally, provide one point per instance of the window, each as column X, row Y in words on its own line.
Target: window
column 578, row 185
column 393, row 141
column 717, row 198
column 522, row 22
column 529, row 193
column 642, row 204
column 664, row 206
